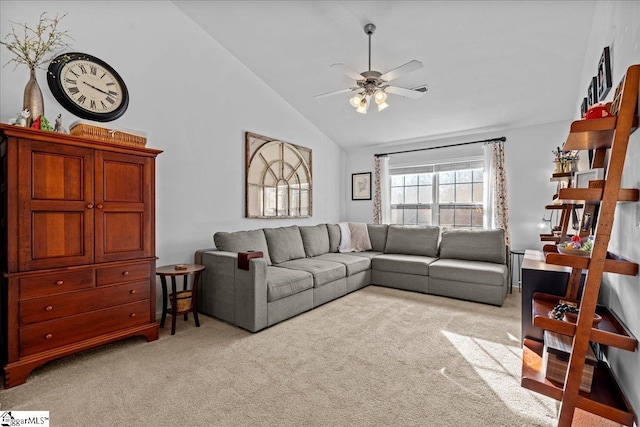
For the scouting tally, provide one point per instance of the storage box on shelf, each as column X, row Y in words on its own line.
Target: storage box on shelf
column 555, row 359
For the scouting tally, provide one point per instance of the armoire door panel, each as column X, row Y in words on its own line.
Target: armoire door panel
column 124, row 182
column 123, row 232
column 55, row 216
column 57, row 234
column 123, row 216
column 57, row 177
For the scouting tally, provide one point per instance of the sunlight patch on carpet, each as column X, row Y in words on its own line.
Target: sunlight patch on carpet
column 500, row 367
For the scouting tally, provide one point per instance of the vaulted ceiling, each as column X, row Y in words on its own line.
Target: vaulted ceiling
column 488, row 64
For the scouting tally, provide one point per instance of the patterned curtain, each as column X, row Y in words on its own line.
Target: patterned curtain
column 381, row 196
column 496, row 202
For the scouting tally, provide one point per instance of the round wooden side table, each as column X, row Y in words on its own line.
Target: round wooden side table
column 183, row 302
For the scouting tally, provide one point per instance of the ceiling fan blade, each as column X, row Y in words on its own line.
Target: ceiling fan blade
column 348, row 72
column 402, row 70
column 407, row 93
column 335, row 92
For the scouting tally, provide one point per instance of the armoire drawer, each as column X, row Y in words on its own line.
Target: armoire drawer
column 57, row 306
column 56, row 333
column 56, row 283
column 122, row 273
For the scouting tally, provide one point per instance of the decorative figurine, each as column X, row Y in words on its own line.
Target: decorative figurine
column 21, row 120
column 36, row 123
column 44, row 124
column 59, row 128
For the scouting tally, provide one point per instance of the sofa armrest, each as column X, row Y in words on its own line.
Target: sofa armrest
column 233, row 295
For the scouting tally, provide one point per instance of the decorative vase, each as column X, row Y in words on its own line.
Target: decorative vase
column 559, row 168
column 33, row 100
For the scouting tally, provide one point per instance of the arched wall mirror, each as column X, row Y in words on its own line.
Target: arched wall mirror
column 278, row 179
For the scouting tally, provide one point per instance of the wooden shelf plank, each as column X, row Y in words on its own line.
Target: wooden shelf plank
column 562, row 176
column 549, row 238
column 610, row 331
column 612, row 264
column 560, row 206
column 592, row 134
column 581, row 195
column 605, row 398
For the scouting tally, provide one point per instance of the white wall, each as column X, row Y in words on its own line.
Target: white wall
column 195, row 101
column 617, row 24
column 529, row 165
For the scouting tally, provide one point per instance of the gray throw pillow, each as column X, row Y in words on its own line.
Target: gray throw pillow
column 334, row 237
column 242, row 241
column 284, row 243
column 378, row 236
column 412, row 240
column 480, row 245
column 315, row 239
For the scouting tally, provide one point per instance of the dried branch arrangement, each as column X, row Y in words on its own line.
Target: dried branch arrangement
column 36, row 46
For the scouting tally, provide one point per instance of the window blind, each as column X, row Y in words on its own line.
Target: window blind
column 444, row 167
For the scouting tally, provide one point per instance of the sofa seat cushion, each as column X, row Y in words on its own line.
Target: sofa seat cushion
column 485, row 273
column 354, row 264
column 283, row 282
column 366, row 254
column 323, row 272
column 397, row 263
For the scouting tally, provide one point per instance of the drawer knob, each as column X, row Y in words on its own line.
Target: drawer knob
column 132, row 315
column 48, row 308
column 132, row 291
column 99, row 206
column 48, row 336
column 60, row 282
column 125, row 273
column 89, row 206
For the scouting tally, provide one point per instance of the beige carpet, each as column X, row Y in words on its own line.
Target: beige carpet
column 377, row 357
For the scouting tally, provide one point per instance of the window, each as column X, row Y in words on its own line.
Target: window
column 449, row 195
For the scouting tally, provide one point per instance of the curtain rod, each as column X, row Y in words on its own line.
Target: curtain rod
column 502, row 138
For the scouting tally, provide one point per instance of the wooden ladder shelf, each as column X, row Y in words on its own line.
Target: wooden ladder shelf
column 605, row 399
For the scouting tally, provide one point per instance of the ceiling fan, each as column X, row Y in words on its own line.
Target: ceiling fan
column 373, row 84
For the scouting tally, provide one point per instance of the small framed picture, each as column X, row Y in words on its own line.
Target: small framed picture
column 583, row 108
column 591, row 92
column 361, row 186
column 604, row 74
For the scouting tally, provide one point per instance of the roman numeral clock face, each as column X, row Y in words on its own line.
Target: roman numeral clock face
column 87, row 87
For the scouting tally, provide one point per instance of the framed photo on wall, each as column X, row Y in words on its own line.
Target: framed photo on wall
column 361, row 186
column 592, row 96
column 604, row 74
column 583, row 108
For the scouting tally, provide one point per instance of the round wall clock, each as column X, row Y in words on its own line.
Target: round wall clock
column 87, row 87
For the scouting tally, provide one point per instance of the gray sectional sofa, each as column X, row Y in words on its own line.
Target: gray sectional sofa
column 302, row 269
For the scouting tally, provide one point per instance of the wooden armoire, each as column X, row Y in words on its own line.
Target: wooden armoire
column 77, row 230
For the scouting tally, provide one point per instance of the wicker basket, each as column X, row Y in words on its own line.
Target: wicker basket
column 183, row 300
column 113, row 136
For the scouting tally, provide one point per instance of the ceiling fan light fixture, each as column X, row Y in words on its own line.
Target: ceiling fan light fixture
column 356, row 100
column 380, row 96
column 362, row 108
column 382, row 105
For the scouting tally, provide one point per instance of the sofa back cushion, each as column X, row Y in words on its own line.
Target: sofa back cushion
column 285, row 243
column 241, row 241
column 334, row 237
column 378, row 236
column 471, row 245
column 315, row 240
column 412, row 240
